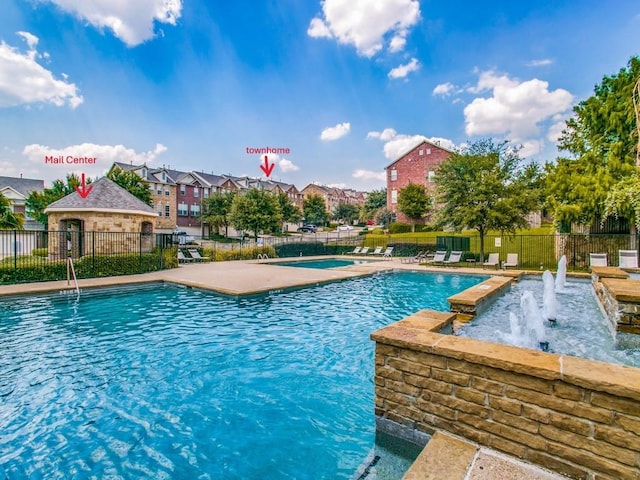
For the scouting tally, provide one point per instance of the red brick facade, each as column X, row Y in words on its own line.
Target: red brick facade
column 418, row 165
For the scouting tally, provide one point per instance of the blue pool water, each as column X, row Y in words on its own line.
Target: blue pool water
column 169, row 382
column 322, row 264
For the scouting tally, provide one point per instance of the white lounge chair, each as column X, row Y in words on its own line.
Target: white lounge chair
column 492, row 261
column 455, row 257
column 195, row 254
column 387, row 253
column 364, row 251
column 627, row 258
column 355, row 251
column 417, row 258
column 377, row 251
column 512, row 260
column 182, row 258
column 598, row 259
column 439, row 257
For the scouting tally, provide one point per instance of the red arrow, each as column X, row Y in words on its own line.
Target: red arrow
column 83, row 191
column 267, row 168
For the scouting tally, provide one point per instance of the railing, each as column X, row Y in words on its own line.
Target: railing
column 71, row 273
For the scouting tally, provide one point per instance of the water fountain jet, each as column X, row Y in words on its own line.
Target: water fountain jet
column 561, row 274
column 549, row 300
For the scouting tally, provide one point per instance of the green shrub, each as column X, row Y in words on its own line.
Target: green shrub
column 376, row 231
column 40, row 252
column 248, row 253
column 399, row 227
column 401, row 249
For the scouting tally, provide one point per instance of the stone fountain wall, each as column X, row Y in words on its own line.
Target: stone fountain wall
column 577, row 417
column 619, row 296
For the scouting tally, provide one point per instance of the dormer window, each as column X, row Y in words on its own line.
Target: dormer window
column 144, row 173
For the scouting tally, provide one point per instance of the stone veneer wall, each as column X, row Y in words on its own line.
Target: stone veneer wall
column 577, row 417
column 103, row 233
column 620, row 298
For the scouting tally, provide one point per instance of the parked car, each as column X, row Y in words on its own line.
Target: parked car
column 345, row 227
column 310, row 228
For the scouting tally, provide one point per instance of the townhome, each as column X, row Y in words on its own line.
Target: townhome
column 419, row 166
column 16, row 190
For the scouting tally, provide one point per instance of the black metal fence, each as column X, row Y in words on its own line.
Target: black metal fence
column 535, row 252
column 32, row 256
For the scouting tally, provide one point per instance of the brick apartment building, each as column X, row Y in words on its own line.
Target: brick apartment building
column 419, row 166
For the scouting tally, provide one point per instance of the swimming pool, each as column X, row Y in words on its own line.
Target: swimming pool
column 168, row 382
column 322, row 264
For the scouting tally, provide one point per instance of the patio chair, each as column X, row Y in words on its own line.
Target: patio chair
column 387, row 253
column 492, row 261
column 439, row 257
column 182, row 258
column 195, row 254
column 364, row 251
column 455, row 257
column 627, row 258
column 417, row 258
column 377, row 251
column 598, row 259
column 512, row 260
column 355, row 251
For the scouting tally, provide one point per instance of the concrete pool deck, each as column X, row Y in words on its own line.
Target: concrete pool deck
column 251, row 276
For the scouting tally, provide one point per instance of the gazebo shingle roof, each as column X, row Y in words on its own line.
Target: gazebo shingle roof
column 105, row 195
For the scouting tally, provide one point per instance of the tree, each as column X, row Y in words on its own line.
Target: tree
column 217, row 210
column 384, row 216
column 347, row 212
column 290, row 212
column 36, row 202
column 601, row 139
column 376, row 200
column 8, row 219
column 314, row 210
column 624, row 200
column 414, row 202
column 255, row 211
column 132, row 183
column 487, row 187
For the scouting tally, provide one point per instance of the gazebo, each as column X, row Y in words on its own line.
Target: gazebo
column 109, row 220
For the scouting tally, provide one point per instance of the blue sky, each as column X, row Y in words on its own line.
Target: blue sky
column 346, row 85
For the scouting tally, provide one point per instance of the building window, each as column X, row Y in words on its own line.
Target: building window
column 195, row 210
column 428, row 151
column 166, row 190
column 421, row 152
column 205, row 192
column 164, row 177
column 159, row 189
column 182, row 210
column 196, row 192
column 159, row 209
column 183, row 189
column 432, row 176
column 144, row 173
column 167, row 211
column 394, row 196
column 394, row 175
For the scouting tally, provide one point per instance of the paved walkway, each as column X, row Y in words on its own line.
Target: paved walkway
column 248, row 277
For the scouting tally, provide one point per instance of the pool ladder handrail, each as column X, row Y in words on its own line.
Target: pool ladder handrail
column 71, row 273
column 262, row 256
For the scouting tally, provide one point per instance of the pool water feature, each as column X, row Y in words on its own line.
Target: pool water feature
column 169, row 382
column 321, row 264
column 581, row 328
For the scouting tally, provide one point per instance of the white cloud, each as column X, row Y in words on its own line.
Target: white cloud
column 23, row 80
column 397, row 144
column 369, row 175
column 402, row 71
column 334, row 133
column 365, row 23
column 132, row 21
column 337, row 185
column 516, row 109
column 386, row 135
column 444, row 89
column 556, row 128
column 539, row 63
column 284, row 164
column 531, row 147
column 105, row 155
